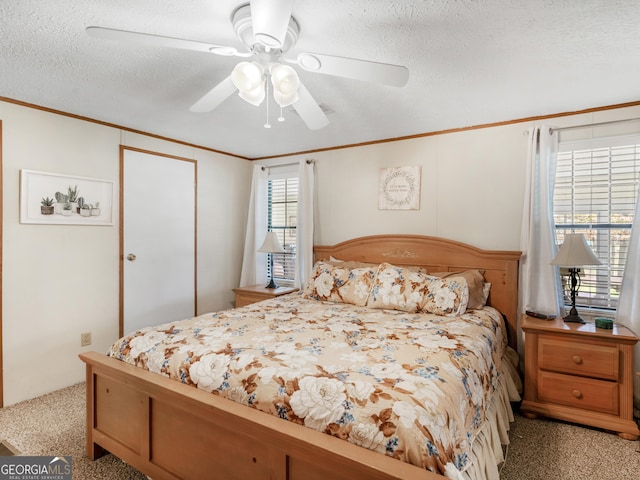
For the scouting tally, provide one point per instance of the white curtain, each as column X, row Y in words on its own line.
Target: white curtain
column 540, row 287
column 304, row 226
column 254, row 264
column 628, row 312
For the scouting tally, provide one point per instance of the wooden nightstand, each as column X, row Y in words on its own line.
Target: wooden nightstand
column 580, row 373
column 257, row 293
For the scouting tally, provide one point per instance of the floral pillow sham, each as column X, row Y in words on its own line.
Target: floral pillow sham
column 399, row 288
column 478, row 289
column 408, row 290
column 391, row 287
column 337, row 283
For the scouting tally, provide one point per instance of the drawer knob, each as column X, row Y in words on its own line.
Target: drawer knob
column 577, row 393
column 577, row 359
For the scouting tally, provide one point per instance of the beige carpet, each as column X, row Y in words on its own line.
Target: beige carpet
column 54, row 424
column 544, row 449
column 540, row 449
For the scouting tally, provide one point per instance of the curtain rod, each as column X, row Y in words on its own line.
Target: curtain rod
column 264, row 167
column 559, row 129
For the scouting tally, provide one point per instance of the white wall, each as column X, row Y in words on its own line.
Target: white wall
column 472, row 182
column 61, row 280
column 464, row 176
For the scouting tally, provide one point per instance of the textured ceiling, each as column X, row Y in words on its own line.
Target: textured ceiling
column 471, row 62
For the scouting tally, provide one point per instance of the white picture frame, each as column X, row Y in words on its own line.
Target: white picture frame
column 75, row 200
column 399, row 188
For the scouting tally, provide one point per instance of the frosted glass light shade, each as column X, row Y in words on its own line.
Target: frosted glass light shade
column 255, row 96
column 575, row 252
column 271, row 244
column 285, row 84
column 247, row 75
column 248, row 78
column 286, row 100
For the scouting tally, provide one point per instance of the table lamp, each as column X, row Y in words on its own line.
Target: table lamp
column 573, row 254
column 271, row 245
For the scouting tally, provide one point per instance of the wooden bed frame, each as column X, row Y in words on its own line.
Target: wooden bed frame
column 169, row 430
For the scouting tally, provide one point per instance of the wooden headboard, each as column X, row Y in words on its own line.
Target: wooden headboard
column 440, row 255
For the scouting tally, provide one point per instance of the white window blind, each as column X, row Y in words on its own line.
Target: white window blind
column 595, row 194
column 282, row 210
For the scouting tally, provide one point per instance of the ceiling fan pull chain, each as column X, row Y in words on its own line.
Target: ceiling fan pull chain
column 281, row 118
column 267, row 125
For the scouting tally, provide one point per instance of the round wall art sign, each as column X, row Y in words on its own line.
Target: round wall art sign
column 399, row 188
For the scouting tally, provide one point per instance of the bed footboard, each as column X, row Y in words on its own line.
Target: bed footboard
column 168, row 430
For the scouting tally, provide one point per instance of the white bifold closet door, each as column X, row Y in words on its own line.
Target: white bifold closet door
column 158, row 240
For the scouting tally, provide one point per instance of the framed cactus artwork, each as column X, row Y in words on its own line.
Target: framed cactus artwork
column 65, row 199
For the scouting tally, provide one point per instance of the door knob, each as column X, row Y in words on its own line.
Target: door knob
column 131, row 257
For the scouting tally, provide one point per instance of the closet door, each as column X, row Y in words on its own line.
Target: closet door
column 158, row 239
column 1, row 261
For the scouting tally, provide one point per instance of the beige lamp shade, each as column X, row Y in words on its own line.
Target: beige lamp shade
column 271, row 244
column 575, row 252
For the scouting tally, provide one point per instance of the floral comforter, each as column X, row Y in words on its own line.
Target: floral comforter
column 411, row 386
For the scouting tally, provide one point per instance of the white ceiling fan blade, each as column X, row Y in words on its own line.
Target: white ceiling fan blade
column 270, row 19
column 309, row 110
column 215, row 96
column 385, row 73
column 138, row 38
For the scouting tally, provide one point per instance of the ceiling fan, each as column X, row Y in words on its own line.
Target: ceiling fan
column 268, row 30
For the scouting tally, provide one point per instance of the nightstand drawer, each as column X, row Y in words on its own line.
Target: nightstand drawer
column 590, row 360
column 585, row 393
column 248, row 299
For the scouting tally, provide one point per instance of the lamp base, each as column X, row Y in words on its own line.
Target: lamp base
column 573, row 319
column 272, row 284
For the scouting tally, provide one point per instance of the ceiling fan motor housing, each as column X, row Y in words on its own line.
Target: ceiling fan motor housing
column 243, row 28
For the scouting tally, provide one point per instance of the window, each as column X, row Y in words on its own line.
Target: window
column 595, row 194
column 282, row 209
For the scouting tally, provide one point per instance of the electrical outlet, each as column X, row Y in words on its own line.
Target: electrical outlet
column 85, row 339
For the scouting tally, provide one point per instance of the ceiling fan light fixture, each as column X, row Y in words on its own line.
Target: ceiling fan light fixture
column 270, row 21
column 248, row 78
column 285, row 84
column 286, row 100
column 255, row 96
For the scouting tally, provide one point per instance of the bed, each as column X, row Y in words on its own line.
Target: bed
column 168, row 429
